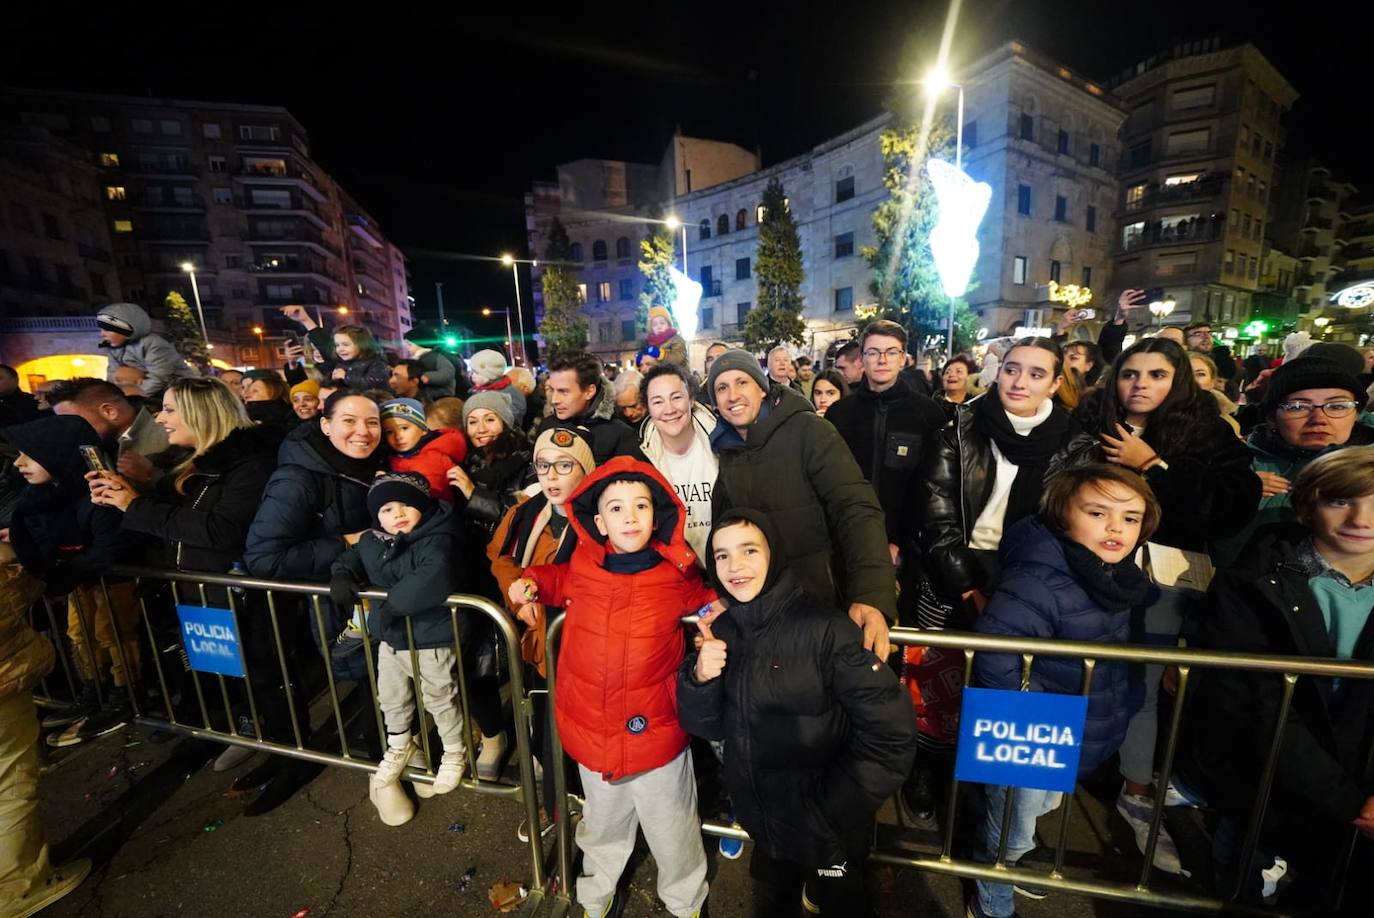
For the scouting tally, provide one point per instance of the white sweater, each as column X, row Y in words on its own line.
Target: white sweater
column 987, row 529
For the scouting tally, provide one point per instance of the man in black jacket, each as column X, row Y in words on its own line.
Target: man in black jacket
column 887, row 425
column 582, row 397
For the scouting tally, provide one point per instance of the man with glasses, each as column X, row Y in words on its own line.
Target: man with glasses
column 1198, row 339
column 1311, row 407
column 887, row 425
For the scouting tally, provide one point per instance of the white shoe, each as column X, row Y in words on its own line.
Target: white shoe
column 394, row 806
column 1138, row 811
column 232, row 758
column 60, row 881
column 394, row 761
column 491, row 757
column 449, row 775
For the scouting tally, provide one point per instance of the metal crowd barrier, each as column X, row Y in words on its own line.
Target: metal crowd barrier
column 233, row 592
column 1142, row 892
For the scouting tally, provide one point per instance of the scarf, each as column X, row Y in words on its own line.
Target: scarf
column 1114, row 587
column 633, row 562
column 1030, row 452
column 360, row 470
column 495, row 385
column 657, row 340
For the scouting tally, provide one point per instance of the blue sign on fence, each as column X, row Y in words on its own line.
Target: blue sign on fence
column 210, row 639
column 1020, row 739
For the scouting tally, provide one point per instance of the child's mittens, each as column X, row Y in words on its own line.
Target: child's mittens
column 343, row 590
column 523, row 591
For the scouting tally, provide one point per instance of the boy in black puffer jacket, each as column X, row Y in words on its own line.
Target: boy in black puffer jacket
column 1068, row 574
column 818, row 732
column 409, row 554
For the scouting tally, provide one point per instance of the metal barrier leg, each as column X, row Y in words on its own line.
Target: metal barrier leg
column 464, row 705
column 418, row 692
column 520, row 706
column 83, row 621
column 60, row 645
column 329, row 672
column 248, row 675
column 1290, row 682
column 130, row 672
column 285, row 675
column 157, row 661
column 370, row 664
column 195, row 676
column 560, row 777
column 952, row 807
column 1063, row 836
column 1165, row 774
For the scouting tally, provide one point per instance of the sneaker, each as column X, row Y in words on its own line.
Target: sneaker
column 1175, row 797
column 612, row 909
column 394, row 761
column 523, row 833
column 489, row 759
column 916, row 801
column 232, row 758
column 731, row 848
column 60, row 881
column 88, row 728
column 1030, row 892
column 975, row 909
column 1137, row 812
column 449, row 775
column 394, row 806
column 66, row 714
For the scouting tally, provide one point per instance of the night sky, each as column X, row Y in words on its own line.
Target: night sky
column 437, row 124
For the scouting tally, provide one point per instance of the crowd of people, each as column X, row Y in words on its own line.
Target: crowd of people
column 1157, row 492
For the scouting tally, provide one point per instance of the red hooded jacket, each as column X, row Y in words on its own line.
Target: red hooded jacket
column 616, row 704
column 433, row 458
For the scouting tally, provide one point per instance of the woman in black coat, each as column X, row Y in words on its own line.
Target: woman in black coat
column 814, row 745
column 1149, row 415
column 497, row 467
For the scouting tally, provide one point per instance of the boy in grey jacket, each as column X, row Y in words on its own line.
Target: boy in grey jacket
column 127, row 332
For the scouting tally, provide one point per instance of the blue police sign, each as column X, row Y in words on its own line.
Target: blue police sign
column 1020, row 739
column 211, row 640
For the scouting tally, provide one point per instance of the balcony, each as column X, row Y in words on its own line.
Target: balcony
column 1156, row 234
column 365, row 230
column 1313, row 250
column 1317, row 223
column 297, row 207
column 164, row 169
column 295, row 234
column 1207, row 188
column 1321, row 190
column 193, row 203
column 290, row 177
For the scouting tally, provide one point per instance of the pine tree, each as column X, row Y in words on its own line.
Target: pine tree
column 778, row 267
column 564, row 327
column 184, row 331
column 905, row 281
column 655, row 258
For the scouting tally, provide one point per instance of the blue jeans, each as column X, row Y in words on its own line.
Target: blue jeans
column 1029, row 805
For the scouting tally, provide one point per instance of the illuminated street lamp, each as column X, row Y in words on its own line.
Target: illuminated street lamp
column 510, row 262
column 343, row 310
column 937, row 81
column 190, row 269
column 1161, row 308
column 487, row 311
column 674, row 224
column 960, row 246
column 262, row 356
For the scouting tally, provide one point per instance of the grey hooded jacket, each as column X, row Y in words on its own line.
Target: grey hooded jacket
column 153, row 354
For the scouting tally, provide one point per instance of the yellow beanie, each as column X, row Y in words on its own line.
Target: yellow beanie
column 661, row 312
column 308, row 385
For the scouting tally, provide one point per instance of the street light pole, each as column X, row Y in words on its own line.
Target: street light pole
column 190, row 269
column 673, row 223
column 439, row 295
column 938, row 81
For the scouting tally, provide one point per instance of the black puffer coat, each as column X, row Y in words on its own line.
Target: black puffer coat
column 204, row 526
column 417, row 572
column 609, row 436
column 959, row 473
column 312, row 500
column 816, row 735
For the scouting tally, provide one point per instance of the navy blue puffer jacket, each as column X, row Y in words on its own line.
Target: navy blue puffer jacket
column 1040, row 596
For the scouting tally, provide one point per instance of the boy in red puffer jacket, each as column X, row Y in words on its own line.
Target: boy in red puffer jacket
column 416, row 448
column 630, row 580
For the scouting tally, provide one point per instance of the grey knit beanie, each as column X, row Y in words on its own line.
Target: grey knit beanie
column 498, row 403
column 735, row 359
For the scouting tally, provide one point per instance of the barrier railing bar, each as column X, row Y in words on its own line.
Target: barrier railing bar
column 285, row 672
column 59, row 644
column 554, row 630
column 325, row 644
column 157, row 661
column 463, row 705
column 418, row 692
column 1166, row 773
column 1062, row 843
column 248, row 676
column 83, row 622
column 195, row 676
column 1290, row 682
column 370, row 664
column 952, row 806
column 130, row 677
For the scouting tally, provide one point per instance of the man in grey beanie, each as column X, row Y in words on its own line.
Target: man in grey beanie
column 779, row 457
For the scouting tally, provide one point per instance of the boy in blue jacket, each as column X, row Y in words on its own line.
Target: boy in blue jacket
column 1067, row 573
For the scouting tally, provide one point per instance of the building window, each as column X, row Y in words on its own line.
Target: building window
column 1235, row 219
column 1193, row 97
column 723, row 225
column 259, row 132
column 1061, row 208
column 1135, row 196
column 741, row 219
column 1054, row 271
column 123, row 226
column 708, row 317
column 742, row 313
column 627, row 329
column 576, row 251
column 1177, row 263
column 760, row 213
column 627, row 288
column 223, row 196
column 115, row 193
column 706, row 278
column 599, row 250
column 216, row 164
column 1256, row 145
column 1018, row 270
column 141, row 126
column 1263, row 194
column 1094, row 155
column 1063, row 146
column 741, row 269
column 1254, row 268
column 1268, row 151
column 1245, row 222
column 1027, row 127
column 582, row 294
column 171, row 128
column 1132, row 234
column 844, row 245
column 1023, row 200
column 128, row 261
column 233, row 261
column 970, row 134
column 1250, row 185
column 1087, row 277
column 603, row 333
column 1182, row 143
column 704, row 230
column 844, row 189
column 1228, row 263
column 1090, row 219
column 844, row 299
column 603, row 292
column 210, row 130
column 109, row 159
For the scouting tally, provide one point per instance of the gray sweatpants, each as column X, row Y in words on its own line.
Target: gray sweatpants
column 396, row 695
column 662, row 801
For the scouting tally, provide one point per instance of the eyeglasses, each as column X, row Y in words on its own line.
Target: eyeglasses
column 892, row 353
column 1330, row 409
column 564, row 467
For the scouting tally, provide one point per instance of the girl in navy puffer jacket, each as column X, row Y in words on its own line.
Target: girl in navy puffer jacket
column 1067, row 573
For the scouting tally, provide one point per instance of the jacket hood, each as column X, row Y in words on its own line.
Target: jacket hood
column 53, row 443
column 777, row 560
column 445, row 440
column 133, row 314
column 243, row 444
column 670, row 517
column 439, row 521
column 603, row 404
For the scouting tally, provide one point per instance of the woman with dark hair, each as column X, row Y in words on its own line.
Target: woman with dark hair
column 268, row 398
column 1151, row 416
column 826, row 389
column 986, row 470
column 358, row 362
column 954, row 382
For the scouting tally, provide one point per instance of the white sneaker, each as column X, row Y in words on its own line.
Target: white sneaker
column 394, row 761
column 449, row 775
column 1138, row 811
column 61, row 880
column 491, row 757
column 394, row 806
column 232, row 758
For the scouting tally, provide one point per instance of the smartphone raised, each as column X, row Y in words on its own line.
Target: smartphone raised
column 95, row 460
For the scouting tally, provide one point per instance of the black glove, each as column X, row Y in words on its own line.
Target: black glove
column 343, row 589
column 381, row 619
